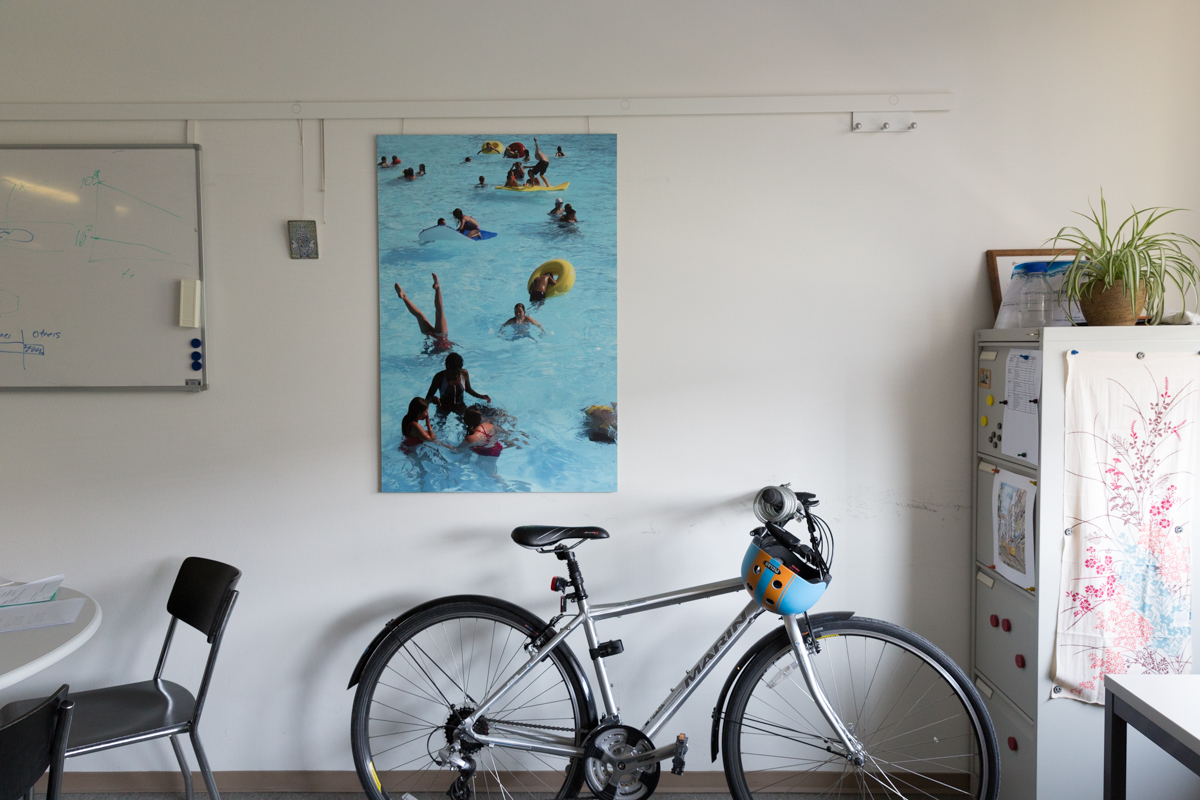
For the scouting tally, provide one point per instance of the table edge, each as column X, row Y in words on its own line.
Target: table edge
column 57, row 654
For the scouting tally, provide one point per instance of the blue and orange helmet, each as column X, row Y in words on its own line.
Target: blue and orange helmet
column 779, row 580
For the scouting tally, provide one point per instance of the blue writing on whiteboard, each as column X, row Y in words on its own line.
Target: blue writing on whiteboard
column 19, row 347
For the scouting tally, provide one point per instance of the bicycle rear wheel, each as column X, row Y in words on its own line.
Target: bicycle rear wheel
column 431, row 672
column 924, row 726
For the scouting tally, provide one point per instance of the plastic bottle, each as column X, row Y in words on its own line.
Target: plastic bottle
column 1036, row 303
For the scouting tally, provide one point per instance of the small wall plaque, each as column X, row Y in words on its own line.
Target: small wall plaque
column 302, row 236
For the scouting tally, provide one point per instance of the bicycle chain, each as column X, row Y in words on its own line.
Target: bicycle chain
column 531, row 725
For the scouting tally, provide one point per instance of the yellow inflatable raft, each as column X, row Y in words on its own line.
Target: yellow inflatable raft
column 563, row 273
column 561, row 187
column 492, row 147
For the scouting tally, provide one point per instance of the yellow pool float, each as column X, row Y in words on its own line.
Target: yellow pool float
column 563, row 273
column 492, row 147
column 562, row 187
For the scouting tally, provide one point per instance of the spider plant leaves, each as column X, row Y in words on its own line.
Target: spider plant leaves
column 1129, row 254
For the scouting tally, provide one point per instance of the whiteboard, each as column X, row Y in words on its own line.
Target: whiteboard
column 94, row 244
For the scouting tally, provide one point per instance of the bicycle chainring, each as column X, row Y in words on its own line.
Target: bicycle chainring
column 606, row 751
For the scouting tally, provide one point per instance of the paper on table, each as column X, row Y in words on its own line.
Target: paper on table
column 32, row 592
column 1022, row 388
column 40, row 615
column 1012, row 527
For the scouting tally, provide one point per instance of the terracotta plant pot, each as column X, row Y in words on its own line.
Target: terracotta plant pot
column 1111, row 306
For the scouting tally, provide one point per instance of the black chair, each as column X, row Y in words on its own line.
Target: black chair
column 32, row 743
column 203, row 597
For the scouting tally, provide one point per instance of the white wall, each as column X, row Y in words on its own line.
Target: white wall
column 796, row 303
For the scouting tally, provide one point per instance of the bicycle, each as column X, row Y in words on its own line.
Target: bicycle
column 831, row 703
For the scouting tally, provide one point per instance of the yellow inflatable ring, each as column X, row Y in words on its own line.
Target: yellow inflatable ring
column 492, row 147
column 562, row 271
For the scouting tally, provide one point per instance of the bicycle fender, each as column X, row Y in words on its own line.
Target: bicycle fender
column 771, row 639
column 534, row 621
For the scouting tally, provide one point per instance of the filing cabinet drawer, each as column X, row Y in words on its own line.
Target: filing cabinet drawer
column 1018, row 747
column 985, row 476
column 989, row 386
column 1007, row 653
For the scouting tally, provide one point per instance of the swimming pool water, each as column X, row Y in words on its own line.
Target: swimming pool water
column 539, row 383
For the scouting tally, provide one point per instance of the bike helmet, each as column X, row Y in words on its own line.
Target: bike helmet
column 779, row 579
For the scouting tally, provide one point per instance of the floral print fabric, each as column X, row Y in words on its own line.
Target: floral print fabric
column 1126, row 595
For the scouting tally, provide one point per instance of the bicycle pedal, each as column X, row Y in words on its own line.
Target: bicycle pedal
column 680, row 752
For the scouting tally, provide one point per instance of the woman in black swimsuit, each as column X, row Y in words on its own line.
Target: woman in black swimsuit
column 450, row 384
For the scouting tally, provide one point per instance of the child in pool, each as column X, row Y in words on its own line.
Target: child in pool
column 560, row 153
column 383, row 164
column 568, row 214
column 600, row 423
column 533, row 181
column 481, row 436
column 541, row 284
column 557, row 211
column 440, row 329
column 466, row 224
column 409, row 175
column 512, row 182
column 520, row 321
column 482, row 183
column 395, row 161
column 451, row 383
column 410, row 427
column 420, row 170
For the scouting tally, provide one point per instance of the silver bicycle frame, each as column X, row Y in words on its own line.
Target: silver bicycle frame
column 587, row 616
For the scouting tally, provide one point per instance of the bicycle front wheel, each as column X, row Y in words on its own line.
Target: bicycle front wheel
column 923, row 725
column 432, row 671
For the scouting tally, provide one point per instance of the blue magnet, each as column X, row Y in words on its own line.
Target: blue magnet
column 196, row 342
column 197, row 366
column 196, row 356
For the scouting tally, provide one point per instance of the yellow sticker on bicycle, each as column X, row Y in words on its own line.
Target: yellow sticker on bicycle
column 378, row 785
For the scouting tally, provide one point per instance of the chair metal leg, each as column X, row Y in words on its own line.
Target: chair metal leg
column 209, row 783
column 184, row 768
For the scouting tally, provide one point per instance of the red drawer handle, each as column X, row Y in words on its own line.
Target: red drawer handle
column 1020, row 661
column 1005, row 625
column 1012, row 743
column 994, row 621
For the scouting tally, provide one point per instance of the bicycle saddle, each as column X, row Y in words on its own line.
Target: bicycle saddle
column 537, row 536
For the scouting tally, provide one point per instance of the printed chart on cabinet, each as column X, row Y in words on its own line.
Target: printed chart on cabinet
column 100, row 268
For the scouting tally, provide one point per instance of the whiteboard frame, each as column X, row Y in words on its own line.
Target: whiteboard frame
column 203, row 335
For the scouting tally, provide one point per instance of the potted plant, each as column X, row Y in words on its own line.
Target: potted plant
column 1118, row 273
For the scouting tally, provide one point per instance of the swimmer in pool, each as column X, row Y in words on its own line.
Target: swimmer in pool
column 543, row 163
column 517, row 170
column 409, row 175
column 481, row 436
column 410, row 427
column 482, row 183
column 420, row 170
column 539, row 287
column 395, row 160
column 557, row 211
column 383, row 164
column 568, row 214
column 468, row 160
column 440, row 329
column 600, row 423
column 520, row 321
column 533, row 181
column 560, row 153
column 450, row 384
column 466, row 225
column 511, row 182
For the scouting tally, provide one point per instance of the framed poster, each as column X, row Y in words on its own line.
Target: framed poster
column 1003, row 265
column 498, row 313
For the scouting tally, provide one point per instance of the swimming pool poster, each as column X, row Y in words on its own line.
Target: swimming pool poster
column 498, row 313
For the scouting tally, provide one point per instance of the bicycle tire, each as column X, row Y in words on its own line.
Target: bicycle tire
column 411, row 653
column 776, row 742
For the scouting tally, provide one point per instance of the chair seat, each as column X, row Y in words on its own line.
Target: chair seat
column 109, row 717
column 535, row 536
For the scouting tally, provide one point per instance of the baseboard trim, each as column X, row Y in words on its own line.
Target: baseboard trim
column 302, row 781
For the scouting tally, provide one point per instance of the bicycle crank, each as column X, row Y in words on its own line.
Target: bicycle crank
column 620, row 763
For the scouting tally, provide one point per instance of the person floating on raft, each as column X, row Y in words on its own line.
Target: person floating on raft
column 490, row 147
column 516, row 150
column 467, row 225
column 600, row 423
column 539, row 286
column 440, row 329
column 450, row 384
column 520, row 321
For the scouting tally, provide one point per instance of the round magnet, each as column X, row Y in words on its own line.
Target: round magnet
column 983, row 421
column 196, row 355
column 196, row 342
column 990, row 399
column 197, row 366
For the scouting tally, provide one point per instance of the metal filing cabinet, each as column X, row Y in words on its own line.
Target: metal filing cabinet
column 1051, row 749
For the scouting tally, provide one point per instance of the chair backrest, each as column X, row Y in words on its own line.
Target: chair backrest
column 32, row 743
column 200, row 592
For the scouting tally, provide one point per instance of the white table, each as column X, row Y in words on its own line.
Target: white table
column 26, row 653
column 1164, row 708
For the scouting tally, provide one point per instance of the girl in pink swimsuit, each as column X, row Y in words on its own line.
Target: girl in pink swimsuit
column 481, row 436
column 410, row 426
